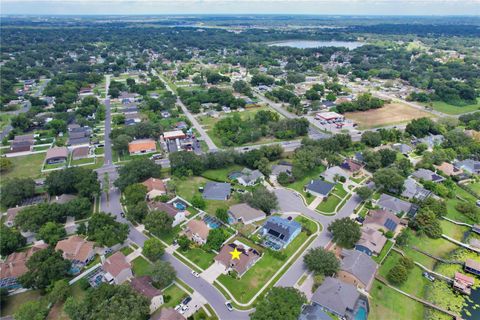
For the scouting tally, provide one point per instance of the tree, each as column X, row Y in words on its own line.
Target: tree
column 422, row 127
column 421, row 148
column 371, row 138
column 14, row 191
column 262, row 199
column 264, row 166
column 44, row 268
column 5, row 164
column 426, row 222
column 109, row 302
column 31, row 310
column 137, row 212
column 162, row 273
column 59, row 291
column 280, row 303
column 135, row 193
column 105, row 230
column 153, row 249
column 120, row 143
column 364, row 192
column 397, row 275
column 158, row 222
column 346, row 232
column 52, row 232
column 10, row 241
column 184, row 242
column 321, row 262
column 389, row 180
column 216, row 237
column 135, row 171
column 284, row 179
column 222, row 214
column 198, row 202
column 73, row 180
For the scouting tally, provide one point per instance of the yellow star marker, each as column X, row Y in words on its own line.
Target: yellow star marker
column 235, row 254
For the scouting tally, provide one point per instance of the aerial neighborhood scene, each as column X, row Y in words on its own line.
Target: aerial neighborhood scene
column 234, row 160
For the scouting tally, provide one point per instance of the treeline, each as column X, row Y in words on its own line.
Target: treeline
column 363, row 102
column 236, row 131
column 194, row 99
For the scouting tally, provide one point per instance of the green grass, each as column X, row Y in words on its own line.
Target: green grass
column 299, row 184
column 100, row 150
column 221, row 175
column 126, row 251
column 25, row 167
column 82, row 161
column 453, row 230
column 170, row 236
column 176, row 295
column 41, row 148
column 257, row 276
column 475, row 187
column 15, row 301
column 140, row 266
column 200, row 257
column 329, row 205
column 452, row 109
column 386, row 303
column 384, row 251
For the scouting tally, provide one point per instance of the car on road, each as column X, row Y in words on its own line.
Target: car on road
column 229, row 306
column 122, row 214
column 195, row 274
column 186, row 300
column 246, row 148
column 156, row 157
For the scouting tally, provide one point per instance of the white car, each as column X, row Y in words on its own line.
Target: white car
column 229, row 306
column 195, row 274
column 178, row 307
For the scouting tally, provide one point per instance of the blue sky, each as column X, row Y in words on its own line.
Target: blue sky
column 351, row 7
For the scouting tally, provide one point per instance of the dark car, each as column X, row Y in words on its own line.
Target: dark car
column 187, row 300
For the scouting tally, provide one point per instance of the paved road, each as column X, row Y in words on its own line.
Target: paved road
column 290, row 202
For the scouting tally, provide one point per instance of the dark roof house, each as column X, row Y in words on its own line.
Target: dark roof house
column 357, row 268
column 396, row 205
column 336, row 296
column 319, row 187
column 217, row 191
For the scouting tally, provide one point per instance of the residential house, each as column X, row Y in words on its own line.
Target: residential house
column 472, row 266
column 80, row 153
column 15, row 265
column 396, row 205
column 250, row 177
column 155, row 187
column 248, row 257
column 78, row 142
column 245, row 214
column 449, row 169
column 430, row 140
column 63, row 198
column 117, row 268
column 413, row 190
column 76, row 249
column 314, row 312
column 427, row 175
column 280, row 231
column 371, row 241
column 56, row 155
column 471, row 166
column 177, row 215
column 351, row 166
column 197, row 231
column 337, row 297
column 359, row 157
column 319, row 188
column 403, row 148
column 168, row 314
column 174, row 135
column 463, row 283
column 11, row 214
column 142, row 146
column 382, row 220
column 279, row 168
column 129, row 109
column 332, row 174
column 22, row 143
column 357, row 268
column 217, row 191
column 132, row 118
column 143, row 285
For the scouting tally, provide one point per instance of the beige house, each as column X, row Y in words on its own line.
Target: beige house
column 117, row 268
column 197, row 231
column 143, row 285
column 371, row 241
column 76, row 249
column 155, row 187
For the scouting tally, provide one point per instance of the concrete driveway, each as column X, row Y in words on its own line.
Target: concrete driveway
column 213, row 272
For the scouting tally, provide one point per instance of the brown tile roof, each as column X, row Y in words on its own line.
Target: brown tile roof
column 116, row 263
column 141, row 145
column 380, row 217
column 351, row 165
column 15, row 264
column 57, row 152
column 143, row 285
column 165, row 207
column 12, row 213
column 239, row 265
column 75, row 248
column 197, row 227
column 372, row 239
column 154, row 184
column 168, row 314
column 449, row 169
column 81, row 152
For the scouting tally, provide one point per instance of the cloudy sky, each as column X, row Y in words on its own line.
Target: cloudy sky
column 360, row 7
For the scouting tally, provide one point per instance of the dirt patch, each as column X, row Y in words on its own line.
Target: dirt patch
column 393, row 113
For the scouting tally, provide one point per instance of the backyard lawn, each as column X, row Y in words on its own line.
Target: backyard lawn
column 200, row 257
column 25, row 166
column 221, row 175
column 140, row 266
column 383, row 253
column 13, row 302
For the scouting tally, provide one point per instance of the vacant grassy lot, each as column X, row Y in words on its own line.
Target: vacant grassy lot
column 393, row 113
column 452, row 109
column 25, row 167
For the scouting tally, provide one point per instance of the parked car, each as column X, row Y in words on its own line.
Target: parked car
column 178, row 307
column 429, row 276
column 478, row 203
column 195, row 274
column 229, row 306
column 186, row 300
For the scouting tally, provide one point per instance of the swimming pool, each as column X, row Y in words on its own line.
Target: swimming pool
column 179, row 205
column 361, row 314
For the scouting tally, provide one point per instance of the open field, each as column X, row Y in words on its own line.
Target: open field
column 25, row 166
column 390, row 114
column 452, row 109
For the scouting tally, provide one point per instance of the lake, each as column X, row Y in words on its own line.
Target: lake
column 307, row 44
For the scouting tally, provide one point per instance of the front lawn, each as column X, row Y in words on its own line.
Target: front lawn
column 170, row 236
column 126, row 251
column 329, row 205
column 200, row 257
column 82, row 161
column 299, row 184
column 176, row 296
column 140, row 266
column 25, row 166
column 253, row 280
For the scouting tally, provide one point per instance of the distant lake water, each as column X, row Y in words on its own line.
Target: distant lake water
column 307, row 44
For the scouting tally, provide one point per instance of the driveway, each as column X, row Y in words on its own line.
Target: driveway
column 213, row 272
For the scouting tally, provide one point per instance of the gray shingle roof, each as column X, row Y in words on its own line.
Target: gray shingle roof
column 250, row 175
column 320, row 186
column 336, row 296
column 414, row 190
column 360, row 265
column 427, row 175
column 393, row 204
column 217, row 191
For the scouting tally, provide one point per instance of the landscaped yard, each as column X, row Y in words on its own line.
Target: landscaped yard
column 299, row 184
column 221, row 175
column 82, row 161
column 140, row 266
column 254, row 279
column 383, row 253
column 452, row 212
column 176, row 295
column 200, row 257
column 25, row 166
column 333, row 200
column 126, row 251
